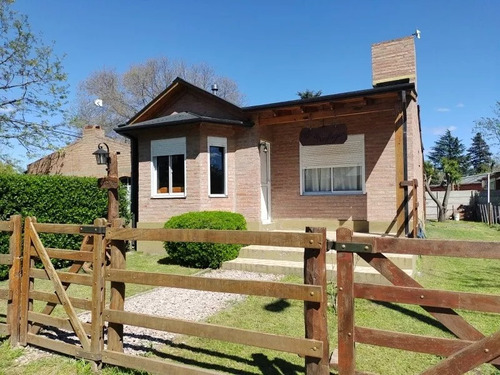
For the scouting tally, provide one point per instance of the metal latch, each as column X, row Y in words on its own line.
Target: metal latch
column 92, row 230
column 349, row 247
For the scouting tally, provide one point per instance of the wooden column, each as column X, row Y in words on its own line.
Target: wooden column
column 98, row 292
column 13, row 308
column 345, row 305
column 315, row 312
column 113, row 204
column 117, row 302
column 27, row 282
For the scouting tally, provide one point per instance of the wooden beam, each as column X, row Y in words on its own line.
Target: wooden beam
column 6, row 226
column 345, row 306
column 415, row 343
column 151, row 365
column 51, row 298
column 305, row 347
column 51, row 321
column 60, row 347
column 429, row 297
column 318, row 116
column 249, row 287
column 57, row 228
column 284, row 239
column 65, row 277
column 414, row 246
column 79, row 256
column 469, row 357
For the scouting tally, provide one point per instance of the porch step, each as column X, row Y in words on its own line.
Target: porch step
column 291, row 254
column 361, row 274
column 290, row 261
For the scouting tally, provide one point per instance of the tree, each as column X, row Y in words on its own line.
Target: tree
column 447, row 160
column 122, row 95
column 451, row 148
column 32, row 89
column 479, row 155
column 490, row 126
column 307, row 94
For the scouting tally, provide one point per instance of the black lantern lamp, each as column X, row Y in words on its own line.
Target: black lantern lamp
column 101, row 154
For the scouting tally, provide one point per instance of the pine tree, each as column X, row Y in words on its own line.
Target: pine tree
column 479, row 155
column 451, row 148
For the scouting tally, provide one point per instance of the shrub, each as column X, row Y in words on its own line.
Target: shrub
column 204, row 255
column 54, row 199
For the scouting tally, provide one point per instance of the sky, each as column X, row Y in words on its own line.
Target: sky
column 273, row 49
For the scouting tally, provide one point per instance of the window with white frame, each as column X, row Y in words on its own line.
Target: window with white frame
column 334, row 168
column 168, row 172
column 217, row 166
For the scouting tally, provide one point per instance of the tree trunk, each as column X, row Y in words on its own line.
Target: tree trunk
column 441, row 212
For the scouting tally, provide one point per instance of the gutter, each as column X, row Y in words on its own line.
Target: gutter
column 405, row 160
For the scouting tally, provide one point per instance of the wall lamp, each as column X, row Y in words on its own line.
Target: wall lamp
column 263, row 146
column 102, row 155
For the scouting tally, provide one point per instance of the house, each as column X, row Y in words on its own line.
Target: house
column 352, row 159
column 77, row 159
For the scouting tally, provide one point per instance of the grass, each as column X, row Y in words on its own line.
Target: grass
column 286, row 317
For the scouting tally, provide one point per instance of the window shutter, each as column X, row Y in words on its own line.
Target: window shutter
column 172, row 146
column 349, row 154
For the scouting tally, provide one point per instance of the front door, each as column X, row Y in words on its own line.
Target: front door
column 265, row 182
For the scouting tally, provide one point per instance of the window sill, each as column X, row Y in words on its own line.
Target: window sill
column 330, row 194
column 217, row 195
column 166, row 196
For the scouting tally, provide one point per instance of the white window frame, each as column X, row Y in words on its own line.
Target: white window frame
column 217, row 142
column 167, row 147
column 335, row 156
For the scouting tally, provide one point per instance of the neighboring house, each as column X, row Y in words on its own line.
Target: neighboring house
column 476, row 182
column 77, row 159
column 333, row 160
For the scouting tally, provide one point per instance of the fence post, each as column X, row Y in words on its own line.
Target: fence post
column 13, row 309
column 345, row 305
column 117, row 302
column 316, row 323
column 27, row 283
column 98, row 294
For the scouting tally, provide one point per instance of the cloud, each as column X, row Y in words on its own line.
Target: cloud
column 443, row 109
column 460, row 105
column 440, row 130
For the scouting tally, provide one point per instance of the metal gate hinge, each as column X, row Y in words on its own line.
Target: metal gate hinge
column 349, row 247
column 92, row 230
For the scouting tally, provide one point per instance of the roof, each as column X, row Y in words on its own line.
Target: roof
column 176, row 85
column 178, row 119
column 340, row 96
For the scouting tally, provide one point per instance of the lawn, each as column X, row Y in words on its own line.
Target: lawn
column 286, row 317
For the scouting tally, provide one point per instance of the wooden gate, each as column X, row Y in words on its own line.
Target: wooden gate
column 13, row 261
column 469, row 350
column 90, row 335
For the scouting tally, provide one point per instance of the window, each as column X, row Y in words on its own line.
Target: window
column 217, row 164
column 168, row 173
column 333, row 169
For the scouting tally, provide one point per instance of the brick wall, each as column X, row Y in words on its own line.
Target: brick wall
column 77, row 159
column 377, row 204
column 394, row 60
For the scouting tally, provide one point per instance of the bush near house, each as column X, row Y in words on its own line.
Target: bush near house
column 204, row 255
column 54, row 199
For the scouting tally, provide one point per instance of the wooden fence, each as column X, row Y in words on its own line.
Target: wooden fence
column 469, row 350
column 99, row 239
column 102, row 243
column 489, row 213
column 10, row 294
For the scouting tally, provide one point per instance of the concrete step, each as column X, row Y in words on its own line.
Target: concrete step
column 291, row 254
column 362, row 274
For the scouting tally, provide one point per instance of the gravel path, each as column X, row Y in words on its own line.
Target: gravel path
column 176, row 303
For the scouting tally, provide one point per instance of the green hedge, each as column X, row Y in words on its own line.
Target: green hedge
column 204, row 255
column 54, row 199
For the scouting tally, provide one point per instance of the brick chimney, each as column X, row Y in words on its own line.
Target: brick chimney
column 394, row 61
column 93, row 129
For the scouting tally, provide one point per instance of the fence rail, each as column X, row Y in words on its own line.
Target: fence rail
column 469, row 350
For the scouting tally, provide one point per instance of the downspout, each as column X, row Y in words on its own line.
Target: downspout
column 405, row 161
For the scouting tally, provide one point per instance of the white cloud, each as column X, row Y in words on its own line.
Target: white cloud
column 440, row 130
column 460, row 105
column 443, row 109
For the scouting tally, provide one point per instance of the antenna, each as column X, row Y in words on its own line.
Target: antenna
column 98, row 102
column 416, row 33
column 214, row 89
